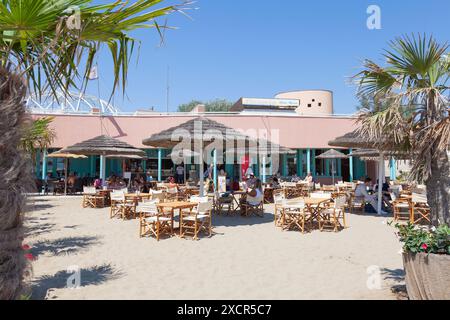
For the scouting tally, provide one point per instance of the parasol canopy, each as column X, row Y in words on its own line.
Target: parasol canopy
column 103, row 145
column 66, row 156
column 332, row 154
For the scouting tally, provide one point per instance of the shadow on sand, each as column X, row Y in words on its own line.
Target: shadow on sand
column 238, row 220
column 37, row 229
column 88, row 276
column 63, row 246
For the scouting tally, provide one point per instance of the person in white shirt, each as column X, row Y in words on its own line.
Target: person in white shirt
column 361, row 191
column 255, row 195
column 308, row 178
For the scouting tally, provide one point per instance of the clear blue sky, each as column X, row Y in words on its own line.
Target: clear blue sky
column 256, row 48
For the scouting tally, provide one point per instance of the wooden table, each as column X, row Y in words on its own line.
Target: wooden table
column 172, row 206
column 313, row 205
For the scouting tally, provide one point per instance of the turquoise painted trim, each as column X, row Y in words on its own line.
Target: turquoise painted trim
column 393, row 169
column 327, row 167
column 44, row 164
column 308, row 160
column 37, row 169
column 350, row 165
column 159, row 164
column 215, row 168
column 284, row 167
column 313, row 160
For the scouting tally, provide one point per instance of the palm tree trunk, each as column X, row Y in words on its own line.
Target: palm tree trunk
column 438, row 189
column 15, row 178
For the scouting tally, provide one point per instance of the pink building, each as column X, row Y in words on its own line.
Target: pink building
column 300, row 120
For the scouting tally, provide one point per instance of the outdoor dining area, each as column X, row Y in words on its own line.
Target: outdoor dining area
column 186, row 208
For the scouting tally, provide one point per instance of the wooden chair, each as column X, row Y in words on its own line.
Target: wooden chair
column 172, row 194
column 399, row 204
column 420, row 208
column 279, row 200
column 127, row 208
column 249, row 209
column 153, row 222
column 157, row 195
column 358, row 203
column 224, row 204
column 92, row 199
column 294, row 216
column 197, row 220
column 117, row 197
column 332, row 216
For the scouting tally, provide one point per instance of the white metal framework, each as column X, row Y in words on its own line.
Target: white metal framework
column 70, row 103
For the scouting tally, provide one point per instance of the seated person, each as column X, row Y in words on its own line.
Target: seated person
column 254, row 195
column 275, row 183
column 172, row 183
column 361, row 192
column 309, row 178
column 251, row 180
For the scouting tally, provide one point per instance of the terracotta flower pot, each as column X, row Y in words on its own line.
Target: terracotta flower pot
column 427, row 276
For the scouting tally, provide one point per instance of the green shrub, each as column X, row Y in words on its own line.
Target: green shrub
column 416, row 239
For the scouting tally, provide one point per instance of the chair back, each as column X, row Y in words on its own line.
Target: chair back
column 320, row 195
column 340, row 202
column 419, row 198
column 157, row 195
column 198, row 199
column 278, row 198
column 205, row 207
column 89, row 190
column 317, row 186
column 172, row 190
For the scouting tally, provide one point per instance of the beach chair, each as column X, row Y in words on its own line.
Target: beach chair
column 279, row 200
column 154, row 222
column 91, row 198
column 197, row 220
column 420, row 208
column 294, row 216
column 224, row 204
column 333, row 215
column 357, row 203
column 401, row 207
column 172, row 194
column 250, row 209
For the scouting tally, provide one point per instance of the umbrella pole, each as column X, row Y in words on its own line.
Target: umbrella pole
column 65, row 176
column 184, row 165
column 202, row 189
column 380, row 181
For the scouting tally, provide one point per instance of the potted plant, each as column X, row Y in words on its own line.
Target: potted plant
column 426, row 259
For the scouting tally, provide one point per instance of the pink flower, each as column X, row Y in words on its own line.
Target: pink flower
column 29, row 256
column 424, row 246
column 26, row 247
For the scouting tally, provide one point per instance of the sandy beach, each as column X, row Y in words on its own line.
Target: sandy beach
column 247, row 258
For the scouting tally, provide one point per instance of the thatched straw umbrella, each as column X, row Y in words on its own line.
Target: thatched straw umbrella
column 199, row 130
column 355, row 140
column 66, row 157
column 333, row 155
column 104, row 146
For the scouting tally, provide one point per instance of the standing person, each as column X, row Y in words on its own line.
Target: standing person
column 180, row 174
column 361, row 191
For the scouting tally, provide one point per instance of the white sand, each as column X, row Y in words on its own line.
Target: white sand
column 248, row 258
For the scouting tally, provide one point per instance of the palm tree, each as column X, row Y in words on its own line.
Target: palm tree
column 411, row 112
column 50, row 46
column 37, row 136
